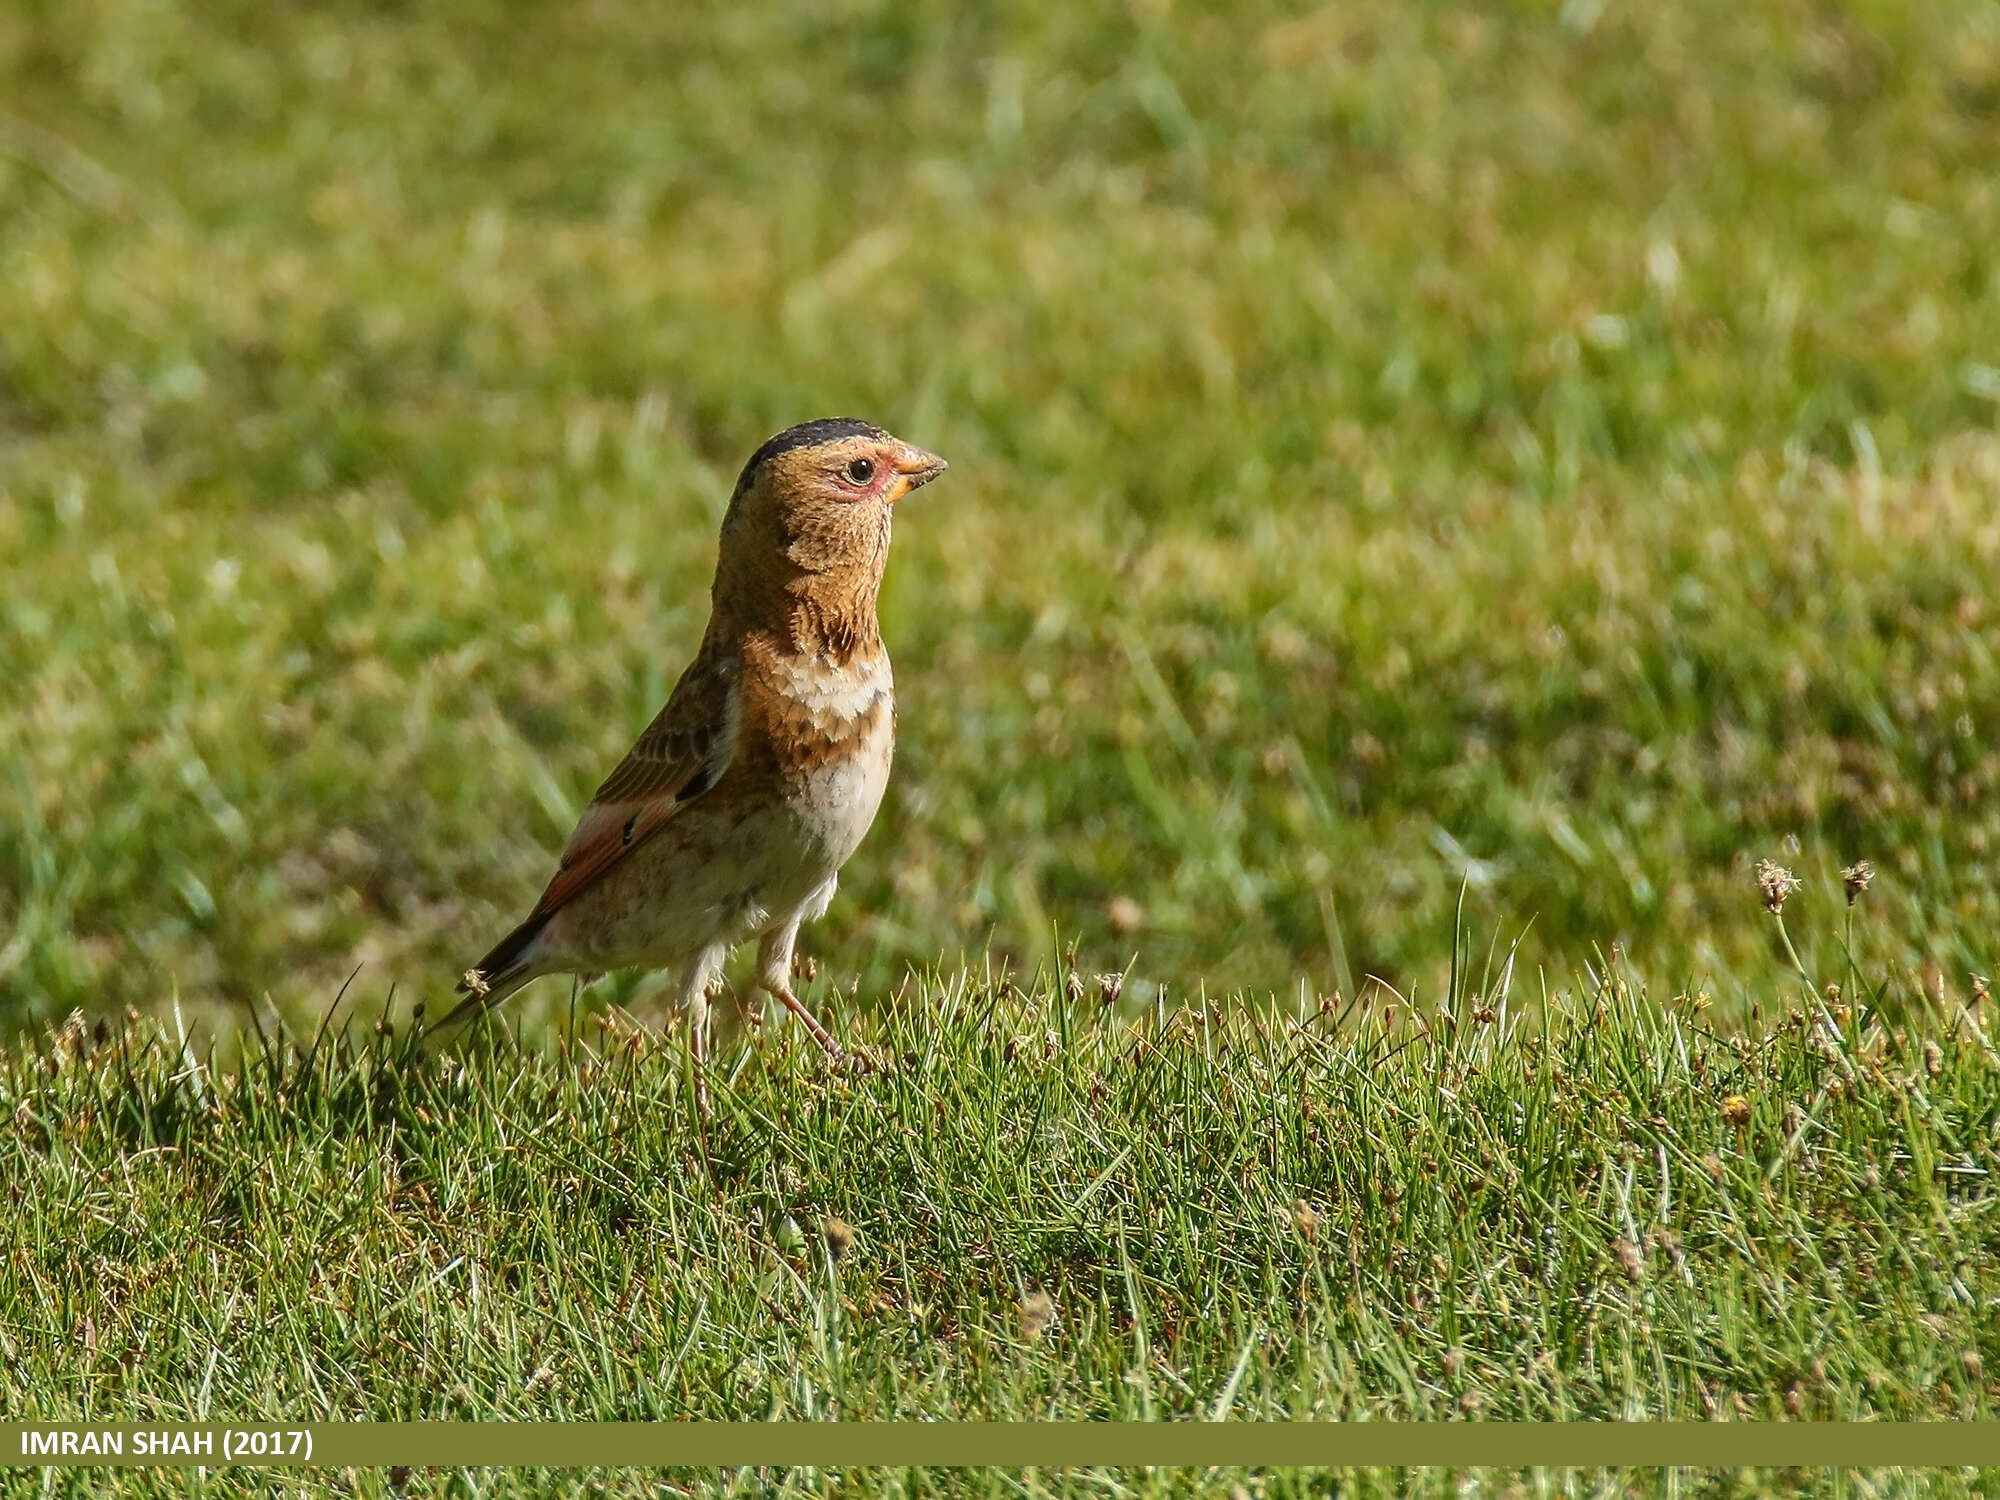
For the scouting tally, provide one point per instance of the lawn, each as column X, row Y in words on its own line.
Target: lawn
column 1586, row 1204
column 1417, row 471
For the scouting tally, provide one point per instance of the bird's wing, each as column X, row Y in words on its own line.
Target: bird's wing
column 683, row 753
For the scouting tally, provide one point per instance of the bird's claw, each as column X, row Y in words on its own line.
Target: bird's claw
column 860, row 1060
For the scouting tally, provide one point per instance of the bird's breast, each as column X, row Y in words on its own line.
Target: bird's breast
column 831, row 736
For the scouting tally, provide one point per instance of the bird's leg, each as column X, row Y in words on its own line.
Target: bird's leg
column 697, row 1013
column 820, row 1034
column 694, row 1003
column 774, row 977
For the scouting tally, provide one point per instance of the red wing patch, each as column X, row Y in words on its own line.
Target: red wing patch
column 683, row 753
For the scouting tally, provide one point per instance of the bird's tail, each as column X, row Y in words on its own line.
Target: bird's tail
column 501, row 972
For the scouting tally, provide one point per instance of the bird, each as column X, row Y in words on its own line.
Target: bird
column 732, row 815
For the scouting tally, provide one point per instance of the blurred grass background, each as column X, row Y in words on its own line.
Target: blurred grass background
column 1549, row 448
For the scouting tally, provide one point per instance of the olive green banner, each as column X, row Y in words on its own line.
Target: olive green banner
column 1008, row 1444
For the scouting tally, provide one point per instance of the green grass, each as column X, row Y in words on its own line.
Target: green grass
column 1391, row 445
column 1234, row 1212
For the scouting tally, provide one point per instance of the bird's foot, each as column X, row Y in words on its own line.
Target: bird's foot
column 819, row 1033
column 862, row 1060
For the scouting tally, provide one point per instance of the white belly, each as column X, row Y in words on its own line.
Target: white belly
column 835, row 804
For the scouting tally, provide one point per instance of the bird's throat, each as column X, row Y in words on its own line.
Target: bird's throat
column 832, row 618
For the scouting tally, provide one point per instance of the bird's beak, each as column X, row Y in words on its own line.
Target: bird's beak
column 914, row 469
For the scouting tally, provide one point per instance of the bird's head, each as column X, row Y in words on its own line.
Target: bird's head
column 811, row 509
column 837, row 461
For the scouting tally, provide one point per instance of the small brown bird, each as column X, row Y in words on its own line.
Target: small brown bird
column 732, row 815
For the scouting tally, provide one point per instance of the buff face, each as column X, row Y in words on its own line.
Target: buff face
column 825, row 506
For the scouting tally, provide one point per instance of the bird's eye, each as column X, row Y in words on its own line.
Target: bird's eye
column 861, row 470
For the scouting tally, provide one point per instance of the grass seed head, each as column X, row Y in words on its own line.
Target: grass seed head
column 1856, row 877
column 1774, row 884
column 1038, row 1315
column 1736, row 1110
column 1626, row 1252
column 1110, row 987
column 68, row 1043
column 1307, row 1218
column 839, row 1236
